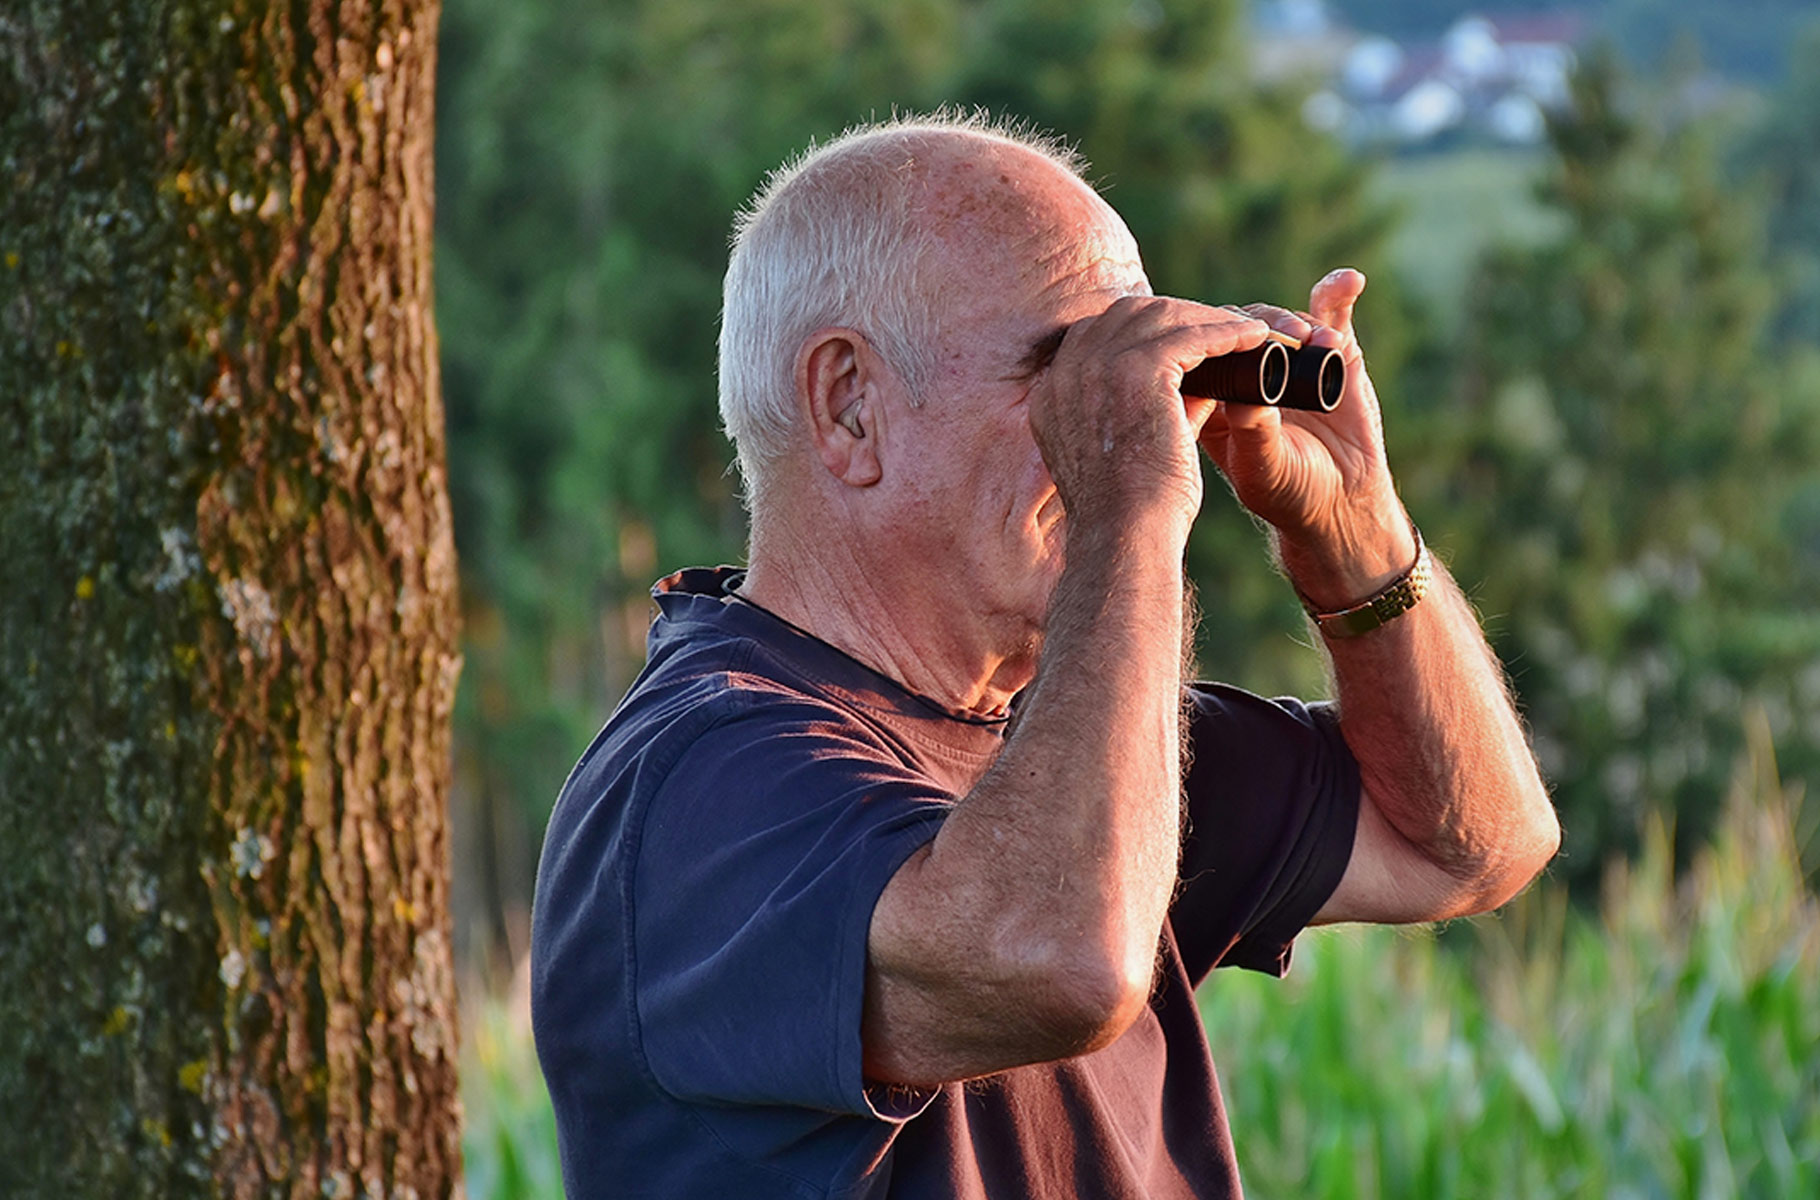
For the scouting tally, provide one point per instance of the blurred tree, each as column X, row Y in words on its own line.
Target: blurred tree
column 1785, row 157
column 1616, row 472
column 227, row 614
column 1745, row 38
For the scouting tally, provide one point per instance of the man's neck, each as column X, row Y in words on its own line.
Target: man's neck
column 877, row 616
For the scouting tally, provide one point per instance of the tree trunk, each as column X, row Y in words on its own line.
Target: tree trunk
column 227, row 618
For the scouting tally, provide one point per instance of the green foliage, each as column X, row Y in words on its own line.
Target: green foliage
column 1666, row 1045
column 1425, row 18
column 509, row 1136
column 1615, row 471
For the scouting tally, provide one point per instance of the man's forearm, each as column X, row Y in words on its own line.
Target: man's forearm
column 1097, row 757
column 1028, row 929
column 1443, row 761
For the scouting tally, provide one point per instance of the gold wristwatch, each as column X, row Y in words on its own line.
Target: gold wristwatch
column 1398, row 597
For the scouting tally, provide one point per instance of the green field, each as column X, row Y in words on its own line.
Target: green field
column 1667, row 1045
column 1454, row 206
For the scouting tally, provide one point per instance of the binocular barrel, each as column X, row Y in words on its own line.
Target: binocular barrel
column 1281, row 372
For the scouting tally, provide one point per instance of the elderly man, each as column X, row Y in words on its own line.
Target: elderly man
column 895, row 872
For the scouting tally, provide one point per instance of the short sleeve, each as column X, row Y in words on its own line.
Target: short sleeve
column 1273, row 804
column 761, row 858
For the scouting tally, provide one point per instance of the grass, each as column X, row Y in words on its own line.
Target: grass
column 1667, row 1045
column 509, row 1134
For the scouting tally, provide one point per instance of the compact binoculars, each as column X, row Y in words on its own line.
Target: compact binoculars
column 1280, row 372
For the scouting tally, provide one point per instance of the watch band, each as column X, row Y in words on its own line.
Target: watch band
column 1396, row 598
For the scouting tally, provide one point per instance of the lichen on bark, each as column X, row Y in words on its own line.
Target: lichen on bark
column 226, row 604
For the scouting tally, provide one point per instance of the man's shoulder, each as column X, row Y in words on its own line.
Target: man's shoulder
column 694, row 744
column 698, row 683
column 677, row 700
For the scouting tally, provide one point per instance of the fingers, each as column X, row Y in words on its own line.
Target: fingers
column 1296, row 325
column 1297, row 470
column 1179, row 332
column 1107, row 412
column 1142, row 346
column 1305, row 327
column 1332, row 299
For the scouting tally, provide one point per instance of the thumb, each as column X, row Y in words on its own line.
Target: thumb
column 1331, row 300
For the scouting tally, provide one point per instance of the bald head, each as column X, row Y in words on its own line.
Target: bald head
column 870, row 232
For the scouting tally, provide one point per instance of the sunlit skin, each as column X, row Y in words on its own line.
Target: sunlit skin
column 976, row 492
column 1022, row 528
column 969, row 528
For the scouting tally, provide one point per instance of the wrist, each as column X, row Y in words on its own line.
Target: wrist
column 1381, row 607
column 1337, row 572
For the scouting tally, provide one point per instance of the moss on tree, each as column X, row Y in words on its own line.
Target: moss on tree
column 226, row 605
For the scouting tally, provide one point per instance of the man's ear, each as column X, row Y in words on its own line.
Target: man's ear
column 838, row 379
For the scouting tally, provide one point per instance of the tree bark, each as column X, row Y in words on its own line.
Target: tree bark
column 227, row 604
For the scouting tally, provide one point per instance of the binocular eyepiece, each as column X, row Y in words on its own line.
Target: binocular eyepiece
column 1281, row 371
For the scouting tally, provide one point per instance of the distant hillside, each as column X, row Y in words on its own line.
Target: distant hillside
column 1746, row 39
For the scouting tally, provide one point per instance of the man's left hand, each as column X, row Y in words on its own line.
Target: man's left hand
column 1320, row 479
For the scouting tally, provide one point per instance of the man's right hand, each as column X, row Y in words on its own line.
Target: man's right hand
column 1108, row 414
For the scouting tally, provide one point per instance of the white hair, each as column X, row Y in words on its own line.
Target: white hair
column 832, row 238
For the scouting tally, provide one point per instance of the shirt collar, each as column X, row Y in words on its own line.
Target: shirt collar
column 709, row 595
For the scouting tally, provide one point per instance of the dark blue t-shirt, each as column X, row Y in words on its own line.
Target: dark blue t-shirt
column 708, row 879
